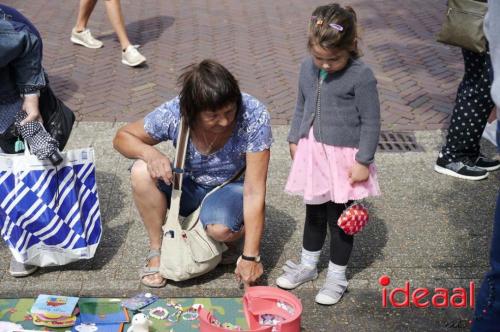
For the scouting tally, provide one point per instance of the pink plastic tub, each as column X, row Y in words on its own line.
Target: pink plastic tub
column 267, row 309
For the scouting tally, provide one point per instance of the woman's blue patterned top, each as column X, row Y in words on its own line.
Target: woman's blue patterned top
column 251, row 134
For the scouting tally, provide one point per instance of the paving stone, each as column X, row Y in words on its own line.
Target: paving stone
column 11, row 288
column 34, row 287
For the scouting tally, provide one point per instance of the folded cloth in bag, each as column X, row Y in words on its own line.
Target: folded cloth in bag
column 49, row 215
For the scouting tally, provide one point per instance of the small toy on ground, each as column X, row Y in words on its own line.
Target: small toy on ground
column 139, row 301
column 140, row 323
column 10, row 327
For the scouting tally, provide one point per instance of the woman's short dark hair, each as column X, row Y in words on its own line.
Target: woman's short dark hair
column 207, row 86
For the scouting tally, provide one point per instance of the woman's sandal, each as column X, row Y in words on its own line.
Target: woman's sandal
column 148, row 271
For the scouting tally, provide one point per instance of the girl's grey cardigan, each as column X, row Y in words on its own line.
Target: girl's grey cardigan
column 350, row 108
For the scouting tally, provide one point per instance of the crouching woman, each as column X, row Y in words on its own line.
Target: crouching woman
column 228, row 131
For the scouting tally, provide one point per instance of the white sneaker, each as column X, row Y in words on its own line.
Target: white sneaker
column 131, row 56
column 295, row 275
column 19, row 270
column 490, row 132
column 331, row 292
column 85, row 38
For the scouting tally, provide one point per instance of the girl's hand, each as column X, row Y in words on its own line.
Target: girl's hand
column 159, row 166
column 293, row 148
column 358, row 173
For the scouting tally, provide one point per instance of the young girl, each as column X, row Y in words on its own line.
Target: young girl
column 333, row 138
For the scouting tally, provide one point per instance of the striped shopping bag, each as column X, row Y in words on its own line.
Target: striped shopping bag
column 50, row 215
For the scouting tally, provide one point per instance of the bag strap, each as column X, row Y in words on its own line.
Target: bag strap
column 232, row 178
column 180, row 154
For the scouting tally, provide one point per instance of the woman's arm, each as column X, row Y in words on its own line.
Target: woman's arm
column 21, row 50
column 254, row 195
column 134, row 142
column 27, row 65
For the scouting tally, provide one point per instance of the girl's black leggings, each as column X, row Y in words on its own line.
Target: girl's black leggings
column 317, row 217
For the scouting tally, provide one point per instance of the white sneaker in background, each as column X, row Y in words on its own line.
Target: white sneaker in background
column 85, row 38
column 490, row 132
column 131, row 57
column 19, row 270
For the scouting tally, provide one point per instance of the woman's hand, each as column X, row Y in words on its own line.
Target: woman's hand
column 158, row 165
column 248, row 271
column 30, row 106
column 358, row 173
column 293, row 148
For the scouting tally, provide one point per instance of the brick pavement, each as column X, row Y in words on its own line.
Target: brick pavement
column 262, row 42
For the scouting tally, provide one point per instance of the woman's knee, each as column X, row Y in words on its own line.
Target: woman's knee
column 219, row 232
column 224, row 211
column 139, row 177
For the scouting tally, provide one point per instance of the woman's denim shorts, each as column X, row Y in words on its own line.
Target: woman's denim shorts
column 223, row 207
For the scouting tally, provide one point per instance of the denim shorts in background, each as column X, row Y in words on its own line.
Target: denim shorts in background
column 223, row 207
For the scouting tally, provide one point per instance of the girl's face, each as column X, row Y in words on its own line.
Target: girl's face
column 218, row 121
column 330, row 60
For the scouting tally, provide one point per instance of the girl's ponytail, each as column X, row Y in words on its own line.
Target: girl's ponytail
column 351, row 10
column 356, row 52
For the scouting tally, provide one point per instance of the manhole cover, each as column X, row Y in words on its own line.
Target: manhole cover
column 391, row 141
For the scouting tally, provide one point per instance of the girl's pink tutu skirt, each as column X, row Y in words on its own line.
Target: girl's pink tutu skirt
column 320, row 173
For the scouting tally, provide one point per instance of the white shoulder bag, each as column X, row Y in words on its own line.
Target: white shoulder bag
column 187, row 251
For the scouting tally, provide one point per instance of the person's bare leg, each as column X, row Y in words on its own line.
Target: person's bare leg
column 233, row 240
column 84, row 12
column 115, row 15
column 152, row 206
column 223, row 234
column 493, row 115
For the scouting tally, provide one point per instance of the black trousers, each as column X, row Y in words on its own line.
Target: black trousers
column 473, row 105
column 317, row 217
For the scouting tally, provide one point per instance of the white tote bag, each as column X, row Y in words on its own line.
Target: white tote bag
column 187, row 251
column 49, row 215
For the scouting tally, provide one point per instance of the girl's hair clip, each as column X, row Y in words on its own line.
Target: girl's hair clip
column 336, row 26
column 314, row 17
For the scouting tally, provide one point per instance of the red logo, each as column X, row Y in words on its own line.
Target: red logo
column 424, row 297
